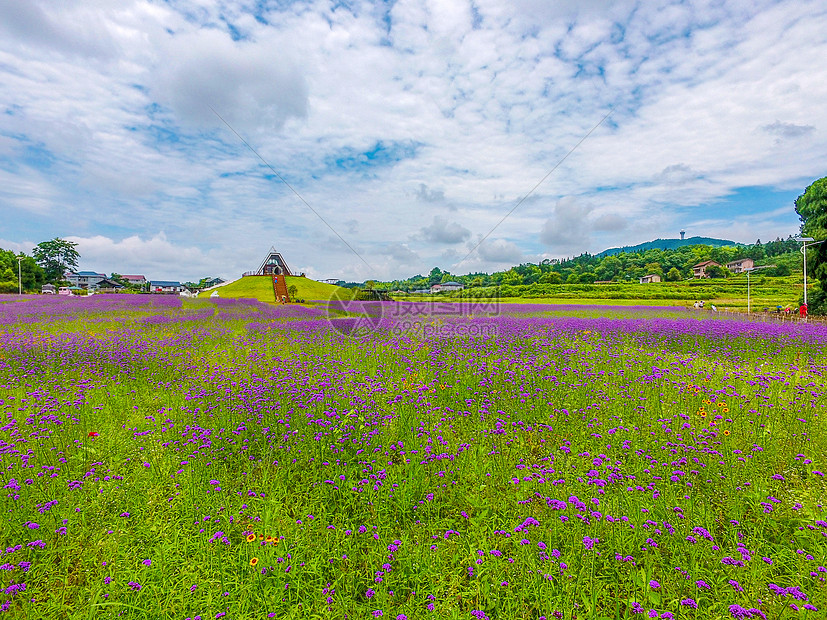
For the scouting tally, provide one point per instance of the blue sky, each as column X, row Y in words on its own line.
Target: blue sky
column 411, row 127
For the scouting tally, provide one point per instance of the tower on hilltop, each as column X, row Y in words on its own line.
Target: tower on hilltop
column 273, row 264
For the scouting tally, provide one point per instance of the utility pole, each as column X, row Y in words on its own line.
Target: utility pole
column 19, row 275
column 804, row 245
column 748, row 271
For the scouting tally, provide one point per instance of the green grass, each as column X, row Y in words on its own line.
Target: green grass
column 261, row 288
column 730, row 293
column 725, row 294
column 310, row 290
column 393, row 473
column 255, row 287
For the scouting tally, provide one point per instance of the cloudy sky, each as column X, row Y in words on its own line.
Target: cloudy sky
column 407, row 130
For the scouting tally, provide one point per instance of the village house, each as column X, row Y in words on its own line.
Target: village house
column 210, row 282
column 139, row 280
column 447, row 287
column 84, row 279
column 650, row 278
column 741, row 265
column 165, row 286
column 107, row 284
column 699, row 270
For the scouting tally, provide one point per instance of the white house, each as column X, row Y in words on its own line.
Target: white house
column 652, row 277
column 84, row 279
column 740, row 266
column 165, row 286
column 446, row 287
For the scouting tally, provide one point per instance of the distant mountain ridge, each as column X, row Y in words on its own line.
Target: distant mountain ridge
column 666, row 244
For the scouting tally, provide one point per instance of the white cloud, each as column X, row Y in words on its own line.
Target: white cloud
column 571, row 223
column 402, row 254
column 441, row 231
column 157, row 256
column 17, row 247
column 251, row 85
column 789, row 131
column 35, row 26
column 426, row 194
column 500, row 251
column 676, row 174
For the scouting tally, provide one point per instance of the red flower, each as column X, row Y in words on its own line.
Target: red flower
column 93, row 434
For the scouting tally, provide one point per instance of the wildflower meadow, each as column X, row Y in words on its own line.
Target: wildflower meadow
column 231, row 459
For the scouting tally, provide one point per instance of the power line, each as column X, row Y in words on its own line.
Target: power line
column 539, row 183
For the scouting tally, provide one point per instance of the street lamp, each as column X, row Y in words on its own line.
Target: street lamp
column 19, row 275
column 748, row 271
column 804, row 245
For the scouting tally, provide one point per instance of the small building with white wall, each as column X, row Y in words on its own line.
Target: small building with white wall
column 652, row 277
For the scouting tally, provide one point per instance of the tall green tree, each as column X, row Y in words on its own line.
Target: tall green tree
column 673, row 275
column 811, row 207
column 435, row 277
column 56, row 257
column 13, row 271
column 609, row 268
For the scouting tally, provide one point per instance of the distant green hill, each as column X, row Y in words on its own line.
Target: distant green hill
column 666, row 244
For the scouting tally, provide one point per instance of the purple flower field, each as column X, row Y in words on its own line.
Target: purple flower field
column 233, row 459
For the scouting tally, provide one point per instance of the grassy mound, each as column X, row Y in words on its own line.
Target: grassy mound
column 310, row 290
column 261, row 288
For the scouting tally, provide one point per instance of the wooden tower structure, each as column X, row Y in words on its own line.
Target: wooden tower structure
column 273, row 265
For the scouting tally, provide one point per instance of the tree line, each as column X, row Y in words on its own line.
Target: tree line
column 669, row 264
column 49, row 261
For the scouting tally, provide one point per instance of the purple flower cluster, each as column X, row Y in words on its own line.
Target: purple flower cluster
column 616, row 440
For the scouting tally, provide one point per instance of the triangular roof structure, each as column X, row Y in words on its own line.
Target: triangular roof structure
column 274, row 263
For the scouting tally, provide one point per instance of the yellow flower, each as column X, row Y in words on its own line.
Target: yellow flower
column 726, row 432
column 251, row 537
column 253, row 561
column 702, row 414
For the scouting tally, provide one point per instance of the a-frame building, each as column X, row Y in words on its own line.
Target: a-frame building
column 274, row 264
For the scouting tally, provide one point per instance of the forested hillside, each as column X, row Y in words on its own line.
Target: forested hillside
column 672, row 265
